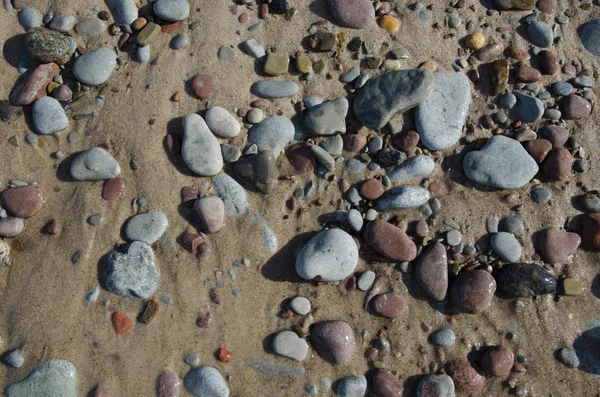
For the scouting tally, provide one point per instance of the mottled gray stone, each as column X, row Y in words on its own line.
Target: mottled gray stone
column 328, row 118
column 331, row 255
column 94, row 164
column 232, row 193
column 206, row 381
column 403, row 197
column 200, row 149
column 49, row 116
column 273, row 133
column 146, row 227
column 51, row 379
column 130, row 271
column 419, row 166
column 95, row 67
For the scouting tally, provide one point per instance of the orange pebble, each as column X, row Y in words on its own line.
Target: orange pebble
column 224, row 355
column 121, row 323
column 389, row 23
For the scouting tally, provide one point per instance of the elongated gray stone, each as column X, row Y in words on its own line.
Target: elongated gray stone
column 90, row 27
column 254, row 48
column 130, row 271
column 274, row 89
column 95, row 67
column 273, row 134
column 49, row 116
column 440, row 118
column 146, row 227
column 124, row 12
column 501, row 163
column 395, row 92
column 323, row 157
column 331, row 255
column 328, row 118
column 172, row 10
column 94, row 164
column 200, row 149
column 403, row 197
column 53, row 378
column 506, row 246
column 419, row 166
column 221, row 122
column 30, row 18
column 63, row 24
column 232, row 193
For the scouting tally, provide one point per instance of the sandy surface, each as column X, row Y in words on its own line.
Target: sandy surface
column 44, row 309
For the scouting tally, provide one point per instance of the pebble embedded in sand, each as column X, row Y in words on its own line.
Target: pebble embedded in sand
column 473, row 291
column 432, row 271
column 94, row 164
column 168, row 384
column 146, row 227
column 403, row 197
column 274, row 89
column 273, row 134
column 328, row 118
column 34, row 85
column 506, row 246
column 389, row 240
column 439, row 385
column 210, row 212
column 202, row 86
column 206, row 381
column 355, row 14
column 419, row 166
column 389, row 305
column 90, row 27
column 257, row 171
column 290, row 345
column 385, row 384
column 232, row 193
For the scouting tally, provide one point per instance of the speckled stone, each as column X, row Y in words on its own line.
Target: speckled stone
column 53, row 378
column 333, row 341
column 473, row 291
column 45, row 46
column 95, row 67
column 331, row 255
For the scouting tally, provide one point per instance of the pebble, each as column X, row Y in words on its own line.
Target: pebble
column 443, row 337
column 351, row 74
column 206, row 381
column 22, row 201
column 274, row 89
column 289, row 344
column 53, row 378
column 45, row 46
column 328, row 118
column 475, row 41
column 200, row 149
column 333, row 341
column 371, row 189
column 511, row 224
column 390, row 241
column 583, row 81
column 527, row 74
column 192, row 359
column 390, row 24
column 590, row 232
column 575, row 107
column 419, row 166
column 221, row 122
column 394, row 92
column 202, row 86
column 258, row 172
column 432, row 271
column 273, row 133
column 34, row 85
column 300, row 305
column 11, row 227
column 562, row 88
column 226, row 54
column 355, row 14
column 95, row 67
column 254, row 48
column 331, row 255
column 540, row 195
column 487, row 52
column 385, row 384
column 501, row 163
column 440, row 118
column 131, row 272
column 453, row 237
column 210, row 213
column 440, row 385
column 143, row 54
column 255, row 116
column 498, row 361
column 589, row 34
column 352, row 386
column 528, row 109
column 276, row 64
column 375, row 145
column 147, row 227
column 333, row 145
column 180, row 41
column 591, row 203
column 540, row 34
column 124, row 12
column 473, row 291
column 94, row 164
column 172, row 10
column 92, row 296
column 14, row 358
column 62, row 93
column 95, row 220
column 355, row 166
column 403, row 197
column 230, row 153
column 557, row 165
column 466, row 379
column 568, row 356
column 549, row 63
column 29, row 18
column 232, row 193
column 49, row 116
column 90, row 27
column 522, row 280
column 355, row 220
column 506, row 246
column 366, row 280
column 168, row 384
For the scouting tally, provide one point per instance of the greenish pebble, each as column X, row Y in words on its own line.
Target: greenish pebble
column 95, row 220
column 254, row 27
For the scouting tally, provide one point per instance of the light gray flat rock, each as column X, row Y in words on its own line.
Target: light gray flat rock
column 56, row 378
column 130, row 271
column 403, row 197
column 94, row 164
column 49, row 116
column 146, row 227
column 328, row 118
column 273, row 133
column 95, row 67
column 419, row 166
column 289, row 344
column 200, row 149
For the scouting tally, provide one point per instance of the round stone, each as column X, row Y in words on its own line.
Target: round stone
column 210, row 212
column 147, row 227
column 22, row 201
column 473, row 291
column 180, row 41
column 10, row 227
column 333, row 341
column 389, row 305
column 507, row 101
column 62, row 24
column 540, row 34
column 371, row 189
column 202, row 86
column 444, row 337
column 255, row 116
column 475, row 41
column 289, row 344
column 49, row 116
column 540, row 195
column 498, row 361
column 506, row 246
column 366, row 280
column 300, row 305
column 549, row 63
column 440, row 385
column 432, row 271
column 113, row 188
column 453, row 237
column 562, row 88
column 575, row 107
column 511, row 224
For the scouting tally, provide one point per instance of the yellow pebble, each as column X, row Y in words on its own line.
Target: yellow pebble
column 475, row 41
column 429, row 65
column 303, row 64
column 51, row 87
column 176, row 97
column 572, row 287
column 389, row 24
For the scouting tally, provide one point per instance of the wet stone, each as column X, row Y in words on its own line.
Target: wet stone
column 498, row 361
column 436, row 386
column 521, row 280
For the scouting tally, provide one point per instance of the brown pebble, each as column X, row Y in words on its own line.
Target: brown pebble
column 486, row 53
column 215, row 295
column 557, row 165
column 389, row 305
column 371, row 189
column 421, row 228
column 371, row 353
column 51, row 227
column 139, row 23
column 344, row 185
column 390, row 241
column 473, row 291
column 527, row 74
column 22, row 201
column 538, row 149
column 243, row 18
column 466, row 379
column 354, row 142
column 150, row 312
column 385, row 384
column 556, row 134
column 569, row 69
column 34, row 85
column 264, row 10
column 204, row 320
column 113, row 188
column 204, row 251
column 257, row 103
column 170, row 28
column 104, row 15
column 350, row 283
column 190, row 241
column 98, row 391
column 575, row 107
column 487, row 122
column 189, row 194
column 202, row 86
column 406, row 141
column 173, row 144
column 548, row 62
column 498, row 361
column 301, row 158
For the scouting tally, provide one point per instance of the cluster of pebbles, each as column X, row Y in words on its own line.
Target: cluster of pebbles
column 526, row 142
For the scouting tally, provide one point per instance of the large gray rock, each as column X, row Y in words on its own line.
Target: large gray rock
column 528, row 109
column 49, row 116
column 51, row 379
column 590, row 37
column 441, row 116
column 95, row 67
column 352, row 386
column 403, row 197
column 501, row 163
column 172, row 10
column 331, row 255
column 206, row 381
column 125, row 12
column 200, row 149
column 232, row 193
column 273, row 133
column 94, row 164
column 419, row 166
column 130, row 271
column 328, row 118
column 147, row 227
column 395, row 92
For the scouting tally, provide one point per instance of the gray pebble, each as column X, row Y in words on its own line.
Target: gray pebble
column 255, row 116
column 355, row 220
column 226, row 54
column 353, row 196
column 366, row 280
column 232, row 193
column 53, row 378
column 49, row 116
column 350, row 75
column 29, row 18
column 63, row 24
column 419, row 166
column 95, row 67
column 200, row 149
column 95, row 220
column 124, row 12
column 507, row 101
column 352, row 386
column 254, row 49
column 94, row 164
column 403, row 197
column 506, row 246
column 147, row 227
column 172, row 10
column 333, row 145
column 290, row 345
column 540, row 195
column 323, row 157
column 15, row 358
column 31, row 138
column 453, row 237
column 375, row 144
column 354, row 166
column 511, row 224
column 568, row 357
column 221, row 122
column 444, row 337
column 300, row 305
column 206, row 381
column 192, row 359
column 230, row 153
column 143, row 54
column 562, row 88
column 311, row 102
column 540, row 34
column 583, row 81
column 274, row 89
column 90, row 27
column 130, row 271
column 273, row 133
column 92, row 296
column 180, row 41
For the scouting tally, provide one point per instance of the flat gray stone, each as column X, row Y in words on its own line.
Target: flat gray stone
column 528, row 109
column 395, row 92
column 94, row 164
column 221, row 122
column 323, row 157
column 254, row 48
column 49, row 116
column 172, row 10
column 333, row 144
column 419, row 166
column 331, row 255
column 90, row 27
column 143, row 54
column 506, row 246
column 440, row 118
column 273, row 133
column 130, row 271
column 206, row 381
column 200, row 149
column 350, row 75
column 232, row 193
column 328, row 118
column 226, row 53
column 125, row 12
column 30, row 18
column 502, row 163
column 15, row 358
column 568, row 356
column 289, row 344
column 255, row 116
column 51, row 379
column 230, row 153
column 366, row 280
column 180, row 41
column 540, row 34
column 403, row 197
column 63, row 24
column 300, row 305
column 352, row 386
column 355, row 219
column 274, row 89
column 146, row 227
column 443, row 337
column 590, row 37
column 95, row 67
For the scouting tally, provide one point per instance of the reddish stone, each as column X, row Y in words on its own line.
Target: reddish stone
column 173, row 144
column 473, row 291
column 575, row 107
column 264, row 10
column 301, row 158
column 344, row 185
column 390, row 241
column 421, row 228
column 556, row 245
column 466, row 379
column 170, row 28
column 189, row 194
column 385, row 384
column 590, row 232
column 548, row 62
column 538, row 149
column 333, row 341
column 569, row 69
column 354, row 142
column 34, row 85
column 202, row 86
column 557, row 165
column 204, row 250
column 486, row 53
column 62, row 93
column 498, row 361
column 113, row 188
column 527, row 74
column 23, row 201
column 224, row 356
column 98, row 391
column 388, row 305
column 371, row 353
column 557, row 135
column 432, row 272
column 215, row 295
column 546, row 6
column 51, row 227
column 150, row 312
column 204, row 320
column 190, row 241
column 371, row 189
column 104, row 15
column 406, row 141
column 243, row 18
column 121, row 323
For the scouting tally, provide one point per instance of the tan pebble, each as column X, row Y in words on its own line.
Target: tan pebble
column 139, row 23
column 51, row 87
column 389, row 24
column 475, row 41
column 429, row 65
column 176, row 97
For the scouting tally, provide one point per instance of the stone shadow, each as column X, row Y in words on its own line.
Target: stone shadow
column 174, row 127
column 587, row 347
column 281, row 266
column 321, row 9
column 14, row 49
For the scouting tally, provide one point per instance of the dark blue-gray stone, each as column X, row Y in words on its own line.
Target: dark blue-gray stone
column 522, row 280
column 540, row 34
column 590, row 37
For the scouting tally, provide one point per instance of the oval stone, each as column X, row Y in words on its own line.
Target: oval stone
column 168, row 384
column 498, row 361
column 473, row 291
column 200, row 149
column 575, row 107
column 11, row 227
column 388, row 305
column 94, row 164
column 390, row 241
column 22, row 201
column 440, row 385
column 210, row 212
column 522, row 280
column 333, row 341
column 385, row 384
column 355, row 14
column 432, row 271
column 206, row 381
column 147, row 227
column 95, row 67
column 46, row 46
column 221, row 122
